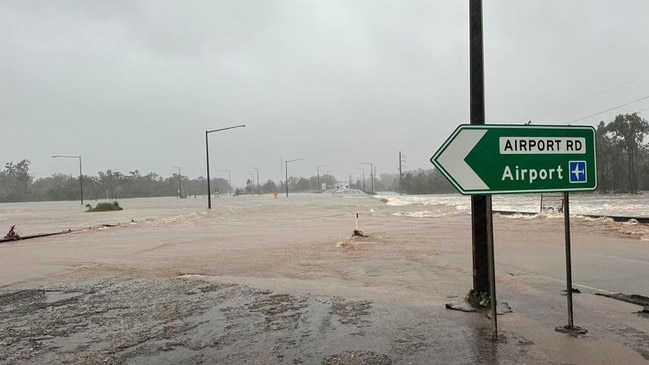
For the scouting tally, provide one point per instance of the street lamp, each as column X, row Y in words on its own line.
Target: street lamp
column 80, row 173
column 320, row 186
column 362, row 176
column 207, row 154
column 229, row 182
column 112, row 188
column 372, row 173
column 286, row 170
column 257, row 179
column 180, row 183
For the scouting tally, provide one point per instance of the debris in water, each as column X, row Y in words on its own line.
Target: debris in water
column 356, row 238
column 630, row 298
column 12, row 235
column 358, row 233
column 463, row 306
column 574, row 290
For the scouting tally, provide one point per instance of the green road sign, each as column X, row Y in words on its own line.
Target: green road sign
column 501, row 159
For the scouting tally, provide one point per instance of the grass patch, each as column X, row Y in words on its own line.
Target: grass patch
column 103, row 207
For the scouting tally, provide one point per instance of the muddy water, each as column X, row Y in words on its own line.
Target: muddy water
column 264, row 280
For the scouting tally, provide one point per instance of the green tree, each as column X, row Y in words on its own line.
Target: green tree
column 628, row 131
column 16, row 180
column 269, row 187
column 610, row 161
column 426, row 182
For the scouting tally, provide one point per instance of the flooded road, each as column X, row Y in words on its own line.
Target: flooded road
column 280, row 281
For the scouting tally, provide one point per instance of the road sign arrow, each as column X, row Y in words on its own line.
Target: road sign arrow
column 450, row 159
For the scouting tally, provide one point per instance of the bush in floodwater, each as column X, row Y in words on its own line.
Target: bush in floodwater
column 103, row 207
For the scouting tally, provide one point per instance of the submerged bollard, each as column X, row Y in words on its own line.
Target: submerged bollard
column 357, row 232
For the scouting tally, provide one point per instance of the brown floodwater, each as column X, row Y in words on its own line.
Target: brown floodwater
column 295, row 257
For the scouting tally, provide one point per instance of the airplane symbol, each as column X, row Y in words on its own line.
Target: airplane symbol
column 577, row 171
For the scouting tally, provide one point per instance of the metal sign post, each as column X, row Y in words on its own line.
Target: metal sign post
column 570, row 327
column 492, row 269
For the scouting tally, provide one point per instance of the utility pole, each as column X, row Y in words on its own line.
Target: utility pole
column 258, row 189
column 400, row 174
column 480, row 207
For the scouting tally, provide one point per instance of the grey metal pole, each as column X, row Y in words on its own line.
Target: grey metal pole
column 207, row 158
column 361, row 178
column 319, row 185
column 257, row 170
column 492, row 270
column 371, row 175
column 80, row 172
column 400, row 174
column 81, row 180
column 570, row 328
column 566, row 220
column 180, row 183
column 229, row 182
column 286, row 178
column 286, row 170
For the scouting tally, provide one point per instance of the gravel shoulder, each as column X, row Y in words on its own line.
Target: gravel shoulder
column 191, row 320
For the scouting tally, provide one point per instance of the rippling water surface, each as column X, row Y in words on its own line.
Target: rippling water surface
column 43, row 217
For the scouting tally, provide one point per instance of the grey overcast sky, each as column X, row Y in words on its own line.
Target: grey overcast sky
column 134, row 84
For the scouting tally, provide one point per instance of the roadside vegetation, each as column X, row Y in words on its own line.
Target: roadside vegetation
column 104, row 207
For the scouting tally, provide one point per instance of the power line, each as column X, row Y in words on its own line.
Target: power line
column 608, row 110
column 588, row 97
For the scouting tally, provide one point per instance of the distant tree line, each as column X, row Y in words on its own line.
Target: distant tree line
column 17, row 185
column 622, row 164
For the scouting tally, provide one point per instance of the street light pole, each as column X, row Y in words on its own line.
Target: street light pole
column 371, row 173
column 320, row 186
column 257, row 179
column 286, row 170
column 112, row 183
column 362, row 176
column 207, row 155
column 229, row 182
column 180, row 183
column 80, row 172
